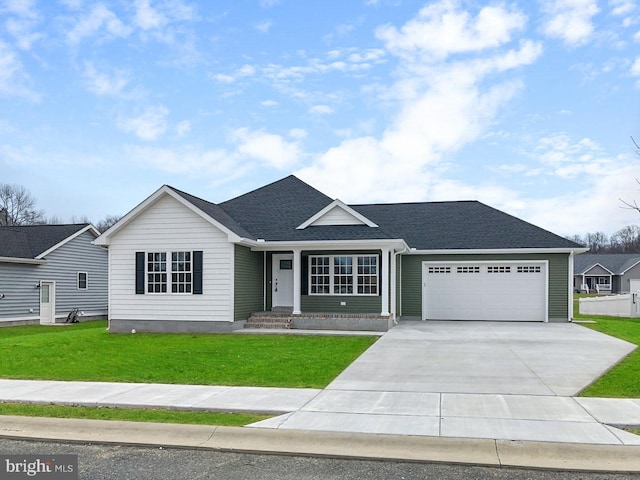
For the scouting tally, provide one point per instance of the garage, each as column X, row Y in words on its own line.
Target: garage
column 494, row 291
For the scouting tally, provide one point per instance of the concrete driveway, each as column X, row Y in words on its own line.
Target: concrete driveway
column 484, row 357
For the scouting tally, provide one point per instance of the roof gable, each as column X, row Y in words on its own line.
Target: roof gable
column 336, row 213
column 616, row 263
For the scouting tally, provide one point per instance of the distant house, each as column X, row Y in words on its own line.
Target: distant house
column 47, row 270
column 605, row 273
column 182, row 264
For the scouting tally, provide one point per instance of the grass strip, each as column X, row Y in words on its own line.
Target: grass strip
column 131, row 414
column 623, row 380
column 87, row 352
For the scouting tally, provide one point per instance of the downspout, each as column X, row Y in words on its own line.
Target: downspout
column 395, row 276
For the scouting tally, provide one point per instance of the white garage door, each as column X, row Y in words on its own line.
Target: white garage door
column 508, row 291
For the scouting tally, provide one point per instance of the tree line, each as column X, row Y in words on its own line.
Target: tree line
column 18, row 207
column 625, row 240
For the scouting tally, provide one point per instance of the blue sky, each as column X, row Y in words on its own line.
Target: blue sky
column 527, row 106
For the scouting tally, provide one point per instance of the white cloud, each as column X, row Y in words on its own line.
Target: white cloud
column 443, row 28
column 622, row 7
column 570, row 20
column 183, row 127
column 149, row 125
column 13, row 79
column 320, row 110
column 147, row 17
column 100, row 18
column 269, row 3
column 270, row 149
column 185, row 161
column 298, row 133
column 264, row 26
column 22, row 18
column 268, row 103
column 102, row 83
column 635, row 68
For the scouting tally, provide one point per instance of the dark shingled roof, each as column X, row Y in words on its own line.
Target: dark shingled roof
column 614, row 262
column 459, row 225
column 274, row 211
column 33, row 240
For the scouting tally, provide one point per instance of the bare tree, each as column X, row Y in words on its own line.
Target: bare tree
column 18, row 207
column 598, row 242
column 107, row 222
column 633, row 205
column 626, row 240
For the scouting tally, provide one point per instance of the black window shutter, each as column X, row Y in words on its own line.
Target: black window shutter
column 139, row 272
column 304, row 281
column 197, row 272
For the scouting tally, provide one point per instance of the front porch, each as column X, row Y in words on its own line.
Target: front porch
column 280, row 319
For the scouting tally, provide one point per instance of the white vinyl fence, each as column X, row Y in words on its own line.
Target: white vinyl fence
column 625, row 305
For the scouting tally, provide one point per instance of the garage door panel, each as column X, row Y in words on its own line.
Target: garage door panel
column 510, row 291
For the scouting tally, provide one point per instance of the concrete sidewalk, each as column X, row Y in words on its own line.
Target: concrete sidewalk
column 481, row 416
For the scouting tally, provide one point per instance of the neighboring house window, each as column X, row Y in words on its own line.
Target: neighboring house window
column 169, row 272
column 83, row 281
column 336, row 275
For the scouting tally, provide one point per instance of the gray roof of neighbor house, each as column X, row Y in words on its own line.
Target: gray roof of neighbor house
column 617, row 263
column 32, row 240
column 274, row 211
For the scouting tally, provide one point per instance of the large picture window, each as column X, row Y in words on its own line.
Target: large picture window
column 343, row 275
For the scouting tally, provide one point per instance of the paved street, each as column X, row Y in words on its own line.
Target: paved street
column 109, row 462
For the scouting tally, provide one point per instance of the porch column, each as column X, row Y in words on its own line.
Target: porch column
column 385, row 283
column 393, row 268
column 297, row 281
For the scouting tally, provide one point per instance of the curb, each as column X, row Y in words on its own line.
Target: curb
column 486, row 452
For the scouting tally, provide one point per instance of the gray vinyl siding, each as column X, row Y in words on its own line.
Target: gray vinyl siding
column 63, row 265
column 558, row 309
column 18, row 281
column 248, row 282
column 625, row 285
column 18, row 285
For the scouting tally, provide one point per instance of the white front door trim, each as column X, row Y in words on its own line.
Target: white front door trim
column 282, row 280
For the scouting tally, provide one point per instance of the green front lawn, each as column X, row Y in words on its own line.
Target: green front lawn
column 623, row 380
column 131, row 415
column 87, row 352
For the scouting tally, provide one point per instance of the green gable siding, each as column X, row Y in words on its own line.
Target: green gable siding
column 248, row 283
column 410, row 303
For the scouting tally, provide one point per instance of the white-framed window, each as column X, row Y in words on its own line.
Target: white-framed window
column 169, row 272
column 181, row 272
column 83, row 281
column 343, row 275
column 157, row 272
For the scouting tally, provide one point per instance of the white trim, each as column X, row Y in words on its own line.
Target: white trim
column 384, row 288
column 28, row 261
column 597, row 264
column 396, row 244
column 339, row 204
column 89, row 228
column 483, row 251
column 232, row 283
column 86, row 280
column 354, row 275
column 625, row 271
column 104, row 239
column 570, row 292
column 297, row 281
column 488, row 262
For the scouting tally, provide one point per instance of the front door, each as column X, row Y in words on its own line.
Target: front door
column 47, row 302
column 282, row 280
